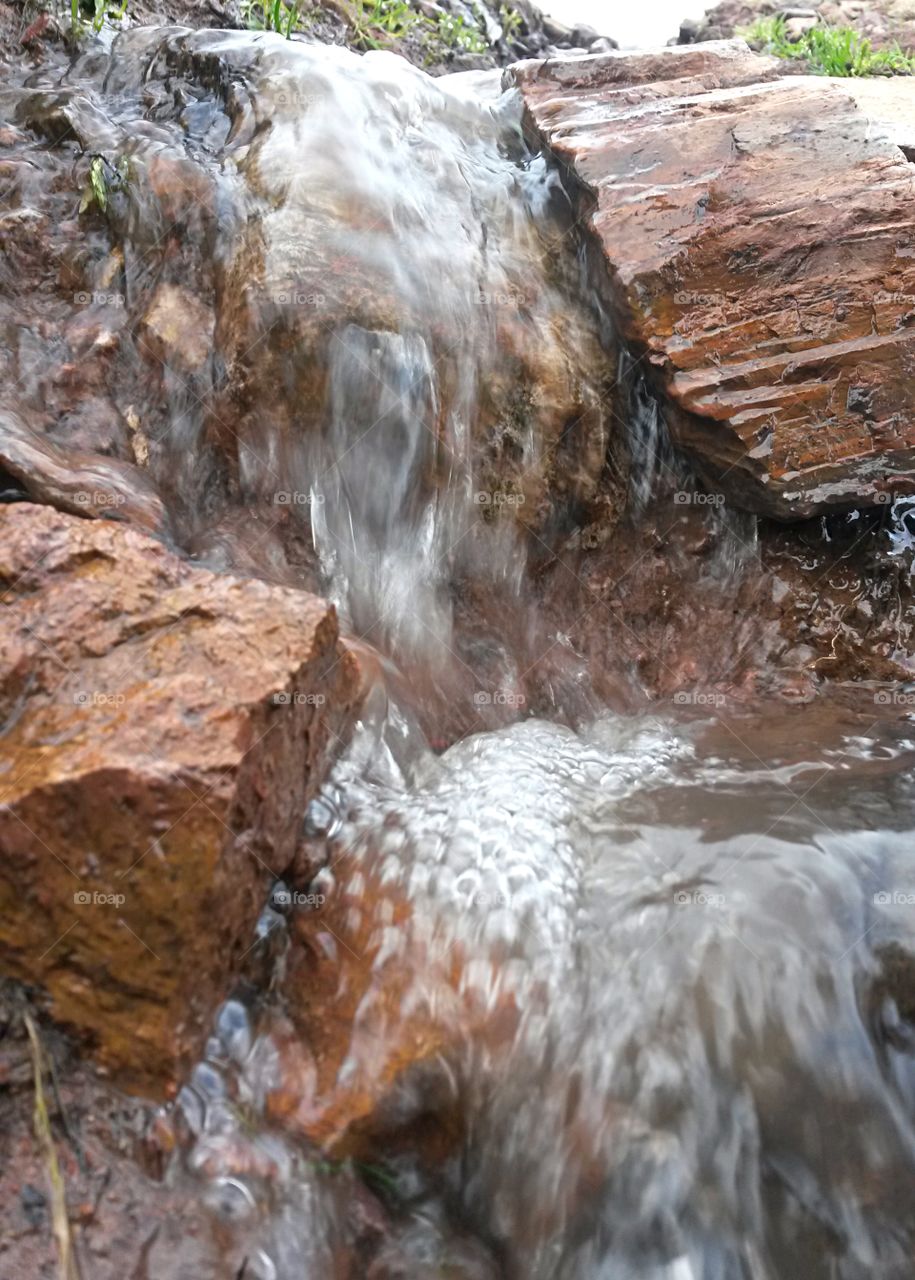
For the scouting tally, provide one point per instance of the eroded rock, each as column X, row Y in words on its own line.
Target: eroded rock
column 758, row 238
column 83, row 483
column 284, row 294
column 164, row 730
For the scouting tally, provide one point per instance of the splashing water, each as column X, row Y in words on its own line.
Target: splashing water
column 902, row 532
column 652, row 974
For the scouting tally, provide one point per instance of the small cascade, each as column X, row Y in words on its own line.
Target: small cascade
column 653, row 464
column 593, row 961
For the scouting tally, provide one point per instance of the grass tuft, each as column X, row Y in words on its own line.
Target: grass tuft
column 455, row 33
column 393, row 19
column 382, row 23
column 271, row 15
column 830, row 51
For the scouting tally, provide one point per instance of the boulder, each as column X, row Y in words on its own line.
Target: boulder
column 798, row 22
column 583, row 35
column 164, row 730
column 359, row 1043
column 281, row 296
column 760, row 258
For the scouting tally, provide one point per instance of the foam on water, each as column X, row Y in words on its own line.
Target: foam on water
column 698, row 1074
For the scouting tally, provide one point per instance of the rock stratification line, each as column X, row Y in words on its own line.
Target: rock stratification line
column 758, row 232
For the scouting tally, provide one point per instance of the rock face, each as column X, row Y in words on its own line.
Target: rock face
column 258, row 296
column 164, row 728
column 758, row 237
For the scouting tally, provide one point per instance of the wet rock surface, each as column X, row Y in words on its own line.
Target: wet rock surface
column 123, row 1219
column 239, row 284
column 505, row 999
column 164, row 728
column 137, row 1208
column 719, row 195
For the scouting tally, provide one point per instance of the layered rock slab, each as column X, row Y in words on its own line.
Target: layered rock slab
column 759, row 238
column 163, row 731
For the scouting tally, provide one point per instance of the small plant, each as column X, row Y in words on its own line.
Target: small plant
column 104, row 179
column 454, row 32
column 101, row 10
column 393, row 18
column 382, row 21
column 271, row 15
column 830, row 51
column 511, row 21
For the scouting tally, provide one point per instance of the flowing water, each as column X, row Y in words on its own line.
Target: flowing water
column 618, row 989
column 654, row 968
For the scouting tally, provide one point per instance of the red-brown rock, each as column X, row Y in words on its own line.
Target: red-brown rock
column 758, row 235
column 164, row 729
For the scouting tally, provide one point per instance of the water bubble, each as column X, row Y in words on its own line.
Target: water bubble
column 233, row 1027
column 267, row 923
column 231, row 1199
column 193, row 1108
column 208, row 1081
column 321, row 819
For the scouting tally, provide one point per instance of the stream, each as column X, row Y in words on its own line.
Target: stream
column 589, row 979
